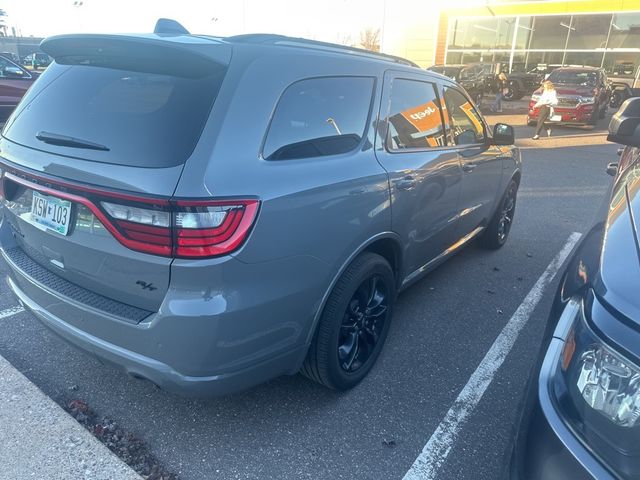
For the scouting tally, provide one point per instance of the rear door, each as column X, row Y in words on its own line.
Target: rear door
column 424, row 173
column 93, row 154
column 481, row 164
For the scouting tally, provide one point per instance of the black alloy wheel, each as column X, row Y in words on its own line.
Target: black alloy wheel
column 353, row 325
column 363, row 323
column 507, row 213
column 497, row 232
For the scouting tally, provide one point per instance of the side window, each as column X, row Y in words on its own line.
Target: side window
column 466, row 126
column 414, row 119
column 318, row 117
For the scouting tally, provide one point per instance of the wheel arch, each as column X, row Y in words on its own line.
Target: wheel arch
column 385, row 244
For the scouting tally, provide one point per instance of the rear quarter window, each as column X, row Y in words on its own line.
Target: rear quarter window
column 319, row 117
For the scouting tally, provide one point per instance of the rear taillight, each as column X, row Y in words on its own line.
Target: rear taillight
column 158, row 226
column 186, row 229
column 207, row 229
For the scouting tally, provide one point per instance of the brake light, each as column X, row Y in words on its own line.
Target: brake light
column 184, row 229
column 170, row 228
column 206, row 229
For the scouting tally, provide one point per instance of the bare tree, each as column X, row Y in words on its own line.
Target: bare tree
column 3, row 22
column 370, row 39
column 346, row 39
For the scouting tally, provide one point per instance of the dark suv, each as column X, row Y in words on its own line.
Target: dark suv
column 476, row 78
column 580, row 417
column 211, row 213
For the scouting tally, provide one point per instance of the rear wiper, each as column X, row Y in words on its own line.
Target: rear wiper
column 66, row 141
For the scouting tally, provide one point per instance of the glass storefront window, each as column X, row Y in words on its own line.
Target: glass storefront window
column 505, row 32
column 625, row 31
column 453, row 58
column 482, row 33
column 523, row 35
column 544, row 60
column 471, row 57
column 583, row 59
column 550, row 32
column 549, row 41
column 621, row 64
column 589, row 32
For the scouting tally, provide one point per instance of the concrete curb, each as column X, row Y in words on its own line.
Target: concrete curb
column 38, row 439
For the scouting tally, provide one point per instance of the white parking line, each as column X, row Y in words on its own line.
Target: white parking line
column 10, row 311
column 441, row 442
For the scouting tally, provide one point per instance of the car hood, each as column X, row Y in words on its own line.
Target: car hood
column 618, row 281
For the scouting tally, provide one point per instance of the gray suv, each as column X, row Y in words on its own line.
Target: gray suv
column 210, row 213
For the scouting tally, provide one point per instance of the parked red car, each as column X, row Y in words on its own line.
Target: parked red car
column 583, row 97
column 14, row 83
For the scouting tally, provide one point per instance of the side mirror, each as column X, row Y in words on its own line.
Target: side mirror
column 503, row 134
column 612, row 169
column 624, row 125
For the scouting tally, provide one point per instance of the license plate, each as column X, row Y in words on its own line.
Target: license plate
column 51, row 212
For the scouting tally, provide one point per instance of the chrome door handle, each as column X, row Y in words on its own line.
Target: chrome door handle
column 469, row 167
column 405, row 183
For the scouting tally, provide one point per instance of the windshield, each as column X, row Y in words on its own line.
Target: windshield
column 574, row 77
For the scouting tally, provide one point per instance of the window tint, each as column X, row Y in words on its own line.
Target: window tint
column 466, row 125
column 145, row 119
column 319, row 117
column 414, row 119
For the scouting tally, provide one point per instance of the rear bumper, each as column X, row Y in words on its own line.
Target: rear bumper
column 202, row 342
column 161, row 374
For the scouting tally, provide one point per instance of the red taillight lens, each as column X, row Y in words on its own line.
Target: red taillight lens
column 187, row 229
column 158, row 226
column 207, row 229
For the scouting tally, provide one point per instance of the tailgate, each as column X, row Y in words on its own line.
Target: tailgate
column 92, row 155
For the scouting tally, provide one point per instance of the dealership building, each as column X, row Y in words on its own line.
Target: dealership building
column 522, row 36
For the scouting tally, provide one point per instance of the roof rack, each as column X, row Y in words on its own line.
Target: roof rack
column 273, row 39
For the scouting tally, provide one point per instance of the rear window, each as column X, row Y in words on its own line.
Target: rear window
column 318, row 117
column 144, row 119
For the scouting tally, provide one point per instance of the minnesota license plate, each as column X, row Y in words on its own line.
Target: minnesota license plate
column 51, row 212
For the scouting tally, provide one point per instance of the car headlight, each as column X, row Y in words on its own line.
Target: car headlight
column 609, row 384
column 597, row 390
column 587, row 99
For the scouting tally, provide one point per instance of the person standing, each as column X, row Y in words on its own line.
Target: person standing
column 545, row 104
column 496, row 106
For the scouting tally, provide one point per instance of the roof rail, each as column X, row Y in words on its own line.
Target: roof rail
column 272, row 39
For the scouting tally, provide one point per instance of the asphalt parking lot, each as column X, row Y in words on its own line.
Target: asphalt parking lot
column 443, row 328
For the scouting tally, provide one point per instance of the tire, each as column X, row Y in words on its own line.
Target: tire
column 594, row 118
column 515, row 92
column 330, row 361
column 497, row 233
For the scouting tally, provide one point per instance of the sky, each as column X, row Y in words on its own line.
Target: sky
column 329, row 20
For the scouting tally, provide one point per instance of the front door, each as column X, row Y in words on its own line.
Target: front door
column 481, row 163
column 424, row 173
